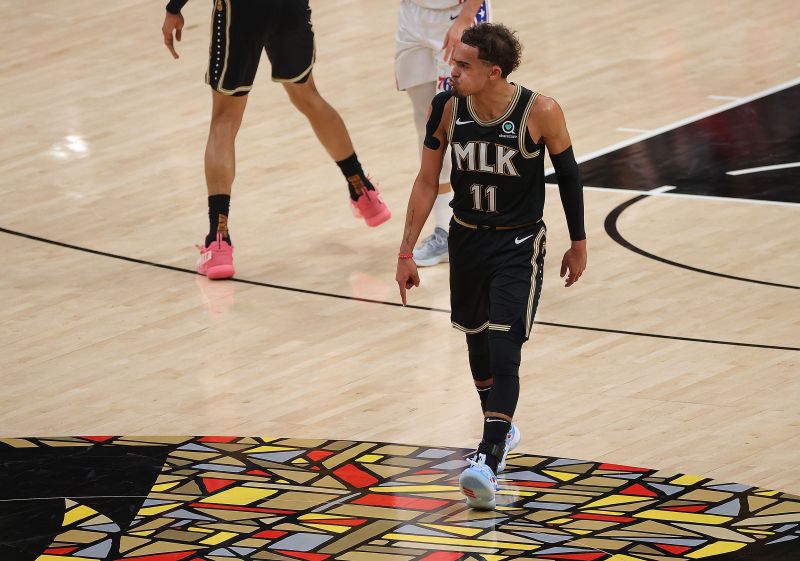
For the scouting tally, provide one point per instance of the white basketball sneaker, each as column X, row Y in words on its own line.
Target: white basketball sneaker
column 479, row 484
column 512, row 439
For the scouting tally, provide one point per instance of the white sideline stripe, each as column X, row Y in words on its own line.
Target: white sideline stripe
column 724, row 97
column 684, row 196
column 627, row 129
column 763, row 168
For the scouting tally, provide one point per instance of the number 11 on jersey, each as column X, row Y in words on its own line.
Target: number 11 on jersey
column 480, row 192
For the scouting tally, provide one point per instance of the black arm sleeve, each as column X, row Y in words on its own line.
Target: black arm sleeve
column 571, row 190
column 174, row 6
column 437, row 110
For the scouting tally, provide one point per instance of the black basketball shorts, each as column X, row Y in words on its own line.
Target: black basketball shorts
column 242, row 29
column 496, row 278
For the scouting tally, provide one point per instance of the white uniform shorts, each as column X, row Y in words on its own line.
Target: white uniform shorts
column 420, row 36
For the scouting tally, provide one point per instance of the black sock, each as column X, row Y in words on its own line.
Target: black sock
column 356, row 179
column 495, row 430
column 218, row 208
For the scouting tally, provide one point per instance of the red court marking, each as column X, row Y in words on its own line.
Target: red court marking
column 443, row 556
column 354, row 476
column 400, row 502
column 639, row 491
column 216, row 484
column 222, row 439
column 60, row 550
column 258, row 472
column 428, row 471
column 676, row 549
column 97, row 438
column 317, row 455
column 270, row 534
column 530, row 483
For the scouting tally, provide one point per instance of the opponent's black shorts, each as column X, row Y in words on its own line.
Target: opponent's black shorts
column 496, row 278
column 242, row 29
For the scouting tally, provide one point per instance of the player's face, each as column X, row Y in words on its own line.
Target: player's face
column 469, row 74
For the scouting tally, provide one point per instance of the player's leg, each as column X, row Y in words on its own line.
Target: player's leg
column 420, row 32
column 291, row 51
column 233, row 61
column 513, row 299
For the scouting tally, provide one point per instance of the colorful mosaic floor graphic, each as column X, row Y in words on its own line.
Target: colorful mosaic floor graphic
column 226, row 498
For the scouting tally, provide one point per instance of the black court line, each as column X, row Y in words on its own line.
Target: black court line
column 385, row 302
column 612, row 230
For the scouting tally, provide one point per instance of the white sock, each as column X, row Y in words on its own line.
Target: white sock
column 442, row 211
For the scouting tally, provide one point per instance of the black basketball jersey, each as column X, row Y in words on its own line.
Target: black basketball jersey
column 498, row 171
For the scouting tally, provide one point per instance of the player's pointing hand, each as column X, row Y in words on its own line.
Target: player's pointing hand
column 173, row 23
column 407, row 276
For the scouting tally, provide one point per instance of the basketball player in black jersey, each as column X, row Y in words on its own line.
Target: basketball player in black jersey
column 498, row 132
column 241, row 30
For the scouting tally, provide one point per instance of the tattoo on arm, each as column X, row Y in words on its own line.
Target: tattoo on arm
column 409, row 222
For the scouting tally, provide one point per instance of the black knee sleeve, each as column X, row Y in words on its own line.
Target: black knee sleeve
column 505, row 350
column 478, row 347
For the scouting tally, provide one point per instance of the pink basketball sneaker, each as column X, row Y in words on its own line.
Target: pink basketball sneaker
column 370, row 206
column 216, row 260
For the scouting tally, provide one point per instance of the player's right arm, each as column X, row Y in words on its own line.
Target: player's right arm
column 173, row 24
column 425, row 189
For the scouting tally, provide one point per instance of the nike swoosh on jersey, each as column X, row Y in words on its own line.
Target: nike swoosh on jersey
column 519, row 241
column 460, row 122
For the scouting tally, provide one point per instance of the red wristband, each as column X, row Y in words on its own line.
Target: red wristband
column 405, row 255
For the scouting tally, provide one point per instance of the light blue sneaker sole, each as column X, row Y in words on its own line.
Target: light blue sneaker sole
column 479, row 492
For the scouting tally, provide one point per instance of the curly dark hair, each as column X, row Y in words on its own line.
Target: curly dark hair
column 496, row 44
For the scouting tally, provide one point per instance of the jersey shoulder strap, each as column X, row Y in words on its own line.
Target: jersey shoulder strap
column 536, row 150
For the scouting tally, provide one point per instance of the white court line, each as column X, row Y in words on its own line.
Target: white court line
column 763, row 168
column 662, row 189
column 627, row 129
column 682, row 195
column 724, row 97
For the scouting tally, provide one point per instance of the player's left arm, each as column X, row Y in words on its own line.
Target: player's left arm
column 549, row 120
column 465, row 20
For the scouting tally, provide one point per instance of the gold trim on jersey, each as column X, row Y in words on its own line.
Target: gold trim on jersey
column 305, row 72
column 211, row 46
column 499, row 327
column 453, row 117
column 523, row 129
column 475, row 226
column 534, row 279
column 501, row 118
column 228, row 17
column 220, row 89
column 470, row 331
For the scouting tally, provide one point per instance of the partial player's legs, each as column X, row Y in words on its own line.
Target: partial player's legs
column 216, row 255
column 332, row 134
column 495, row 283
